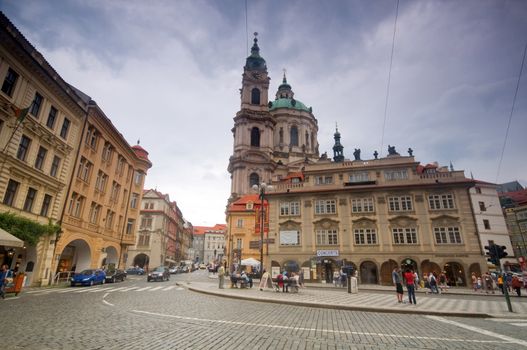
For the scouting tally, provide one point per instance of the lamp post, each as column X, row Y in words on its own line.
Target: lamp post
column 262, row 189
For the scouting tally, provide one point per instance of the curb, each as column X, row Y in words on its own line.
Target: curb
column 341, row 307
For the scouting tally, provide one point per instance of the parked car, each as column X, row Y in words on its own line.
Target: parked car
column 173, row 270
column 88, row 277
column 202, row 266
column 160, row 273
column 185, row 268
column 135, row 271
column 115, row 275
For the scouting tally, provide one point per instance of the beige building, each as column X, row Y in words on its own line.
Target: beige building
column 325, row 214
column 104, row 200
column 37, row 155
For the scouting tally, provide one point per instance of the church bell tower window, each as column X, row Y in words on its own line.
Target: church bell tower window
column 255, row 137
column 294, row 136
column 255, row 96
column 254, row 179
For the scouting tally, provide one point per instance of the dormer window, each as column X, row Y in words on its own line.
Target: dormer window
column 255, row 96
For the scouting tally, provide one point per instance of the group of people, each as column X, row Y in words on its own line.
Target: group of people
column 489, row 282
column 410, row 279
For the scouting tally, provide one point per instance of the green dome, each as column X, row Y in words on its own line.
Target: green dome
column 288, row 103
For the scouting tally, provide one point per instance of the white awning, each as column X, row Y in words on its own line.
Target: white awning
column 8, row 240
column 170, row 260
column 250, row 262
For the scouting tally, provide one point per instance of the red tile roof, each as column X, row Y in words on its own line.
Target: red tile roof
column 519, row 197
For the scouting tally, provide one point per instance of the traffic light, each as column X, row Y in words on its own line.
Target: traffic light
column 500, row 251
column 492, row 254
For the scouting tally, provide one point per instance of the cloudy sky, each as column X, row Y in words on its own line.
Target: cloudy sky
column 169, row 72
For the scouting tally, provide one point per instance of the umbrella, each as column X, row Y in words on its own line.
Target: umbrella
column 250, row 262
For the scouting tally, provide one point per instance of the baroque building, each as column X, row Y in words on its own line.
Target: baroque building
column 325, row 214
column 41, row 121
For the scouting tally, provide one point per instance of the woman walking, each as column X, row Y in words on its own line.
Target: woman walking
column 410, row 286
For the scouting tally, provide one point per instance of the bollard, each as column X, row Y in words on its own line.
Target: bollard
column 349, row 283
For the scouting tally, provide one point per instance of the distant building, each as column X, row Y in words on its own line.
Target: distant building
column 209, row 243
column 514, row 206
column 512, row 186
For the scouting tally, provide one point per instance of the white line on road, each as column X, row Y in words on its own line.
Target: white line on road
column 480, row 330
column 236, row 323
column 128, row 289
column 169, row 288
column 156, row 288
column 142, row 289
column 104, row 301
column 519, row 324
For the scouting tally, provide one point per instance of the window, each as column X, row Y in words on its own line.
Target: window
column 144, row 239
column 294, row 136
column 446, row 235
column 441, row 201
column 76, row 205
column 404, row 235
column 30, row 199
column 365, row 236
column 290, row 208
column 254, row 179
column 94, row 213
column 239, row 243
column 326, row 206
column 120, row 166
column 478, row 190
column 482, row 206
column 51, row 117
column 65, row 127
column 398, row 174
column 146, row 222
column 134, row 201
column 35, row 105
column 403, row 203
column 359, row 177
column 41, row 156
column 114, row 195
column 109, row 219
column 327, row 237
column 10, row 192
column 54, row 166
column 125, row 198
column 255, row 96
column 91, row 138
column 239, row 224
column 100, row 183
column 138, row 177
column 107, row 152
column 130, row 226
column 9, row 82
column 362, row 205
column 23, row 147
column 84, row 169
column 323, row 180
column 46, row 203
column 255, row 137
column 486, row 224
column 521, row 215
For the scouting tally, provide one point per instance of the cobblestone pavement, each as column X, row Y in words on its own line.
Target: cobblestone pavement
column 179, row 318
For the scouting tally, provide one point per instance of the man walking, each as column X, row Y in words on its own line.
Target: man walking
column 410, row 285
column 396, row 278
column 221, row 276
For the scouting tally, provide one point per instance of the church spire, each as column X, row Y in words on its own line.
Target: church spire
column 255, row 61
column 338, row 149
column 284, row 90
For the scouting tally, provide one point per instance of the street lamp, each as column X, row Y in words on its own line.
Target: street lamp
column 261, row 190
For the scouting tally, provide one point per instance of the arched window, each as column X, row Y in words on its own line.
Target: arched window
column 255, row 96
column 255, row 137
column 294, row 136
column 254, row 179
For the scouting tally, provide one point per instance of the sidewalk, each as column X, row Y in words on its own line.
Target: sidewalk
column 369, row 299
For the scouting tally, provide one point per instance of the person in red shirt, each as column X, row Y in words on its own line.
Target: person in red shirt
column 409, row 278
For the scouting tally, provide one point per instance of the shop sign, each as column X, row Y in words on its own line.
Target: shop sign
column 327, row 253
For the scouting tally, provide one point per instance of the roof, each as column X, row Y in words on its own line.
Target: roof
column 288, row 103
column 218, row 228
column 512, row 186
column 517, row 197
column 240, row 205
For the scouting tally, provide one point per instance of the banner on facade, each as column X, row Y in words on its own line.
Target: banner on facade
column 289, row 238
column 327, row 252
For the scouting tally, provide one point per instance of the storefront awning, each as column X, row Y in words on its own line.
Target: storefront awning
column 8, row 240
column 170, row 260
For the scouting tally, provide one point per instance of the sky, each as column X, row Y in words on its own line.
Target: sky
column 168, row 73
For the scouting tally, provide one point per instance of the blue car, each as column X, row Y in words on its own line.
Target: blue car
column 135, row 271
column 88, row 277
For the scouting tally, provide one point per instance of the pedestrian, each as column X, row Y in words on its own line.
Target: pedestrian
column 474, row 282
column 488, row 283
column 442, row 282
column 479, row 284
column 264, row 281
column 3, row 280
column 508, row 281
column 336, row 278
column 416, row 280
column 517, row 285
column 397, row 282
column 432, row 281
column 221, row 276
column 500, row 284
column 301, row 278
column 410, row 285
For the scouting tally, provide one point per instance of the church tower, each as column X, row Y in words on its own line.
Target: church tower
column 338, row 149
column 251, row 162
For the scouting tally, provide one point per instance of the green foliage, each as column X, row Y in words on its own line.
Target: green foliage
column 27, row 230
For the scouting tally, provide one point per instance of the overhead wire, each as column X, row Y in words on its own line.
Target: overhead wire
column 389, row 77
column 511, row 114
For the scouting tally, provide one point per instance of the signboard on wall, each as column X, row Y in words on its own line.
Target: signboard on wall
column 275, row 271
column 328, row 252
column 307, row 273
column 289, row 238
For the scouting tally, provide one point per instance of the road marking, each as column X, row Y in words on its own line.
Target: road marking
column 82, row 290
column 506, row 320
column 237, row 323
column 480, row 330
column 128, row 289
column 156, row 288
column 117, row 289
column 519, row 324
column 104, row 301
column 100, row 289
column 142, row 289
column 169, row 288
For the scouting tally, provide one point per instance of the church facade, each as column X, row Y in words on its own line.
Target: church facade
column 328, row 214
